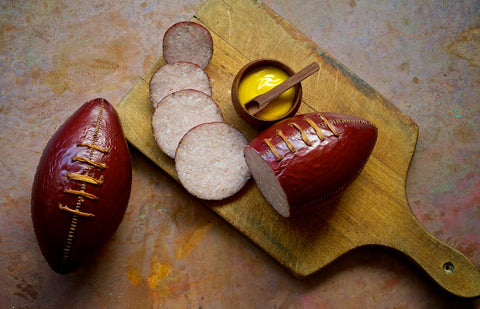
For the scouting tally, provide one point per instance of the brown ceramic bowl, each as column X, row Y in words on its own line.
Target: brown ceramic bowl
column 253, row 120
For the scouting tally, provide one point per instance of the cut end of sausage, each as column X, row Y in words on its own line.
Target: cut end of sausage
column 178, row 76
column 210, row 162
column 188, row 41
column 267, row 182
column 177, row 113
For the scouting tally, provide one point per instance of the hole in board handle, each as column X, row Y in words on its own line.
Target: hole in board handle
column 448, row 267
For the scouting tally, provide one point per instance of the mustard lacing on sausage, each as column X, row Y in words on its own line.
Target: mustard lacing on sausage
column 90, row 196
column 99, row 165
column 287, row 141
column 268, row 142
column 315, row 127
column 303, row 135
column 93, row 146
column 329, row 125
column 84, row 179
column 75, row 211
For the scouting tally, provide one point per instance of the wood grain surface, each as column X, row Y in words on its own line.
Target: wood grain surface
column 373, row 211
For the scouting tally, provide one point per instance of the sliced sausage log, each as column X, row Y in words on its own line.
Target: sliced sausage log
column 304, row 160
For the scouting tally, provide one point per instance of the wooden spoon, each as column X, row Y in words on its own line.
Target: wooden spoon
column 258, row 103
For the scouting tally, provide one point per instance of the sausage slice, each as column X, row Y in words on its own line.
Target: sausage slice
column 177, row 76
column 210, row 162
column 179, row 112
column 188, row 41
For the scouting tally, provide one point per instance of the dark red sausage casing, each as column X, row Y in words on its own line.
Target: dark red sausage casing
column 81, row 187
column 309, row 158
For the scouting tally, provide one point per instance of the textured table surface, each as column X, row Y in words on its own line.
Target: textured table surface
column 170, row 251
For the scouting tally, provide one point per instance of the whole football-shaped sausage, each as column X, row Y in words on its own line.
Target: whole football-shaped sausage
column 306, row 159
column 81, row 187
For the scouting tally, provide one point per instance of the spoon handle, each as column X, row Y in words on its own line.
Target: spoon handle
column 258, row 103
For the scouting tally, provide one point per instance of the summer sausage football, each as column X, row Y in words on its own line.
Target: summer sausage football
column 306, row 159
column 81, row 187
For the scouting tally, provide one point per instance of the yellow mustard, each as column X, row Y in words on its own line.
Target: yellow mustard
column 259, row 81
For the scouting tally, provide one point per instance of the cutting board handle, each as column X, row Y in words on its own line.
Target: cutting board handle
column 452, row 270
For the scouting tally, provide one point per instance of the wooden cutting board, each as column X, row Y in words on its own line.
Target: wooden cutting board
column 372, row 211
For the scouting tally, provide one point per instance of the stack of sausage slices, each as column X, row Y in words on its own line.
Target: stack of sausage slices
column 188, row 125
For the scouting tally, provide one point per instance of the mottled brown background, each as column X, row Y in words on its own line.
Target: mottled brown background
column 170, row 251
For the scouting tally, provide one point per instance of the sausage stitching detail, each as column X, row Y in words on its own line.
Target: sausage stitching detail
column 302, row 133
column 287, row 141
column 81, row 193
column 329, row 125
column 101, row 149
column 75, row 211
column 268, row 142
column 365, row 122
column 84, row 179
column 99, row 165
column 305, row 139
column 315, row 127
